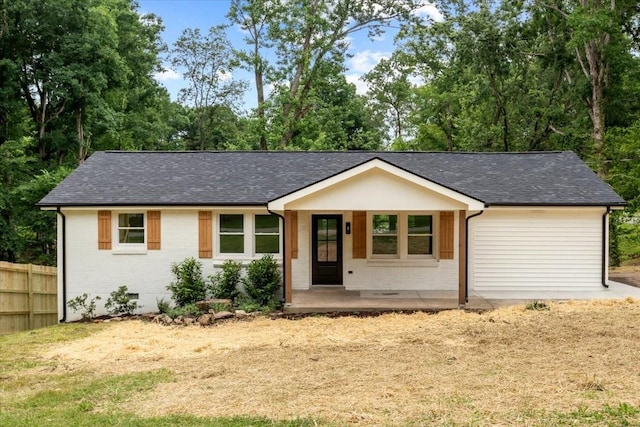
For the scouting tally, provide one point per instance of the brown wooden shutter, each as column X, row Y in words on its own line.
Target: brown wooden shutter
column 104, row 229
column 294, row 234
column 205, row 233
column 446, row 235
column 153, row 230
column 359, row 233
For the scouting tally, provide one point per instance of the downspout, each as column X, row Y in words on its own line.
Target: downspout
column 284, row 249
column 605, row 248
column 64, row 265
column 466, row 255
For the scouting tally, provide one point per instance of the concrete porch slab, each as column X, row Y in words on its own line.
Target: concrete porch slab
column 337, row 299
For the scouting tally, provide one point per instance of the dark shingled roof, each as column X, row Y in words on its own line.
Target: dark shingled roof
column 115, row 178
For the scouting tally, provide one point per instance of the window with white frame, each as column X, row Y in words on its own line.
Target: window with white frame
column 401, row 235
column 247, row 235
column 385, row 235
column 419, row 235
column 131, row 228
column 266, row 234
column 231, row 234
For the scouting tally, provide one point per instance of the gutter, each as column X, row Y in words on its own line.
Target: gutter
column 466, row 255
column 64, row 265
column 284, row 249
column 605, row 248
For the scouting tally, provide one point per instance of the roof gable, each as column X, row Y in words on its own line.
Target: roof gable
column 368, row 186
column 257, row 177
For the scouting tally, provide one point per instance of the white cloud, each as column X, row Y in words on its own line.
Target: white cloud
column 364, row 61
column 167, row 75
column 429, row 10
column 224, row 76
column 361, row 86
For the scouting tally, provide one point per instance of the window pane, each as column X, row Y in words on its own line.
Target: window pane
column 131, row 220
column 419, row 224
column 323, row 251
column 269, row 244
column 231, row 244
column 385, row 245
column 332, row 251
column 231, row 223
column 385, row 224
column 332, row 230
column 267, row 224
column 322, row 229
column 128, row 235
column 420, row 245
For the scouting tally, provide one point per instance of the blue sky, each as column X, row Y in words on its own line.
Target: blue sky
column 180, row 14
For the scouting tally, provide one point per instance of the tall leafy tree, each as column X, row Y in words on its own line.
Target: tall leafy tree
column 206, row 61
column 304, row 36
column 393, row 93
column 598, row 41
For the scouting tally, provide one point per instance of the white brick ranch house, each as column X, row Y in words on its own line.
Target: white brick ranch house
column 358, row 220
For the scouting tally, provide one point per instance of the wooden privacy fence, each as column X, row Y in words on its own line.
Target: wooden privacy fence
column 28, row 297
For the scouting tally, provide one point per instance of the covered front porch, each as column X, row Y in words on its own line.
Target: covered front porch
column 337, row 299
column 374, row 226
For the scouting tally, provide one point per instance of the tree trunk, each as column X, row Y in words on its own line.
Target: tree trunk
column 596, row 75
column 259, row 77
column 448, row 129
column 80, row 131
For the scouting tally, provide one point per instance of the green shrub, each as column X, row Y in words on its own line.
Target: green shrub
column 244, row 303
column 163, row 305
column 87, row 309
column 537, row 306
column 184, row 311
column 224, row 284
column 263, row 279
column 221, row 306
column 189, row 287
column 119, row 302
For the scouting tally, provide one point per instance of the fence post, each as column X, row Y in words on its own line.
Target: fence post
column 30, row 284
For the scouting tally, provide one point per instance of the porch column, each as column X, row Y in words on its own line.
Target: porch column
column 288, row 249
column 462, row 257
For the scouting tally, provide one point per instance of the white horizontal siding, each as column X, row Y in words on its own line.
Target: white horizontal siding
column 536, row 250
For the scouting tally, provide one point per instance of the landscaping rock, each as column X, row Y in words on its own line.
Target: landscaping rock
column 223, row 315
column 241, row 314
column 205, row 319
column 189, row 320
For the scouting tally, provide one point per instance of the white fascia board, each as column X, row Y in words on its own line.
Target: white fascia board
column 549, row 208
column 160, row 208
column 280, row 204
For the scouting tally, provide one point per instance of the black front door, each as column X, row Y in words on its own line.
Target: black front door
column 326, row 262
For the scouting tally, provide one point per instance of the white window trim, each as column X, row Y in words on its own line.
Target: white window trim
column 218, row 231
column 249, row 237
column 279, row 234
column 128, row 248
column 403, row 237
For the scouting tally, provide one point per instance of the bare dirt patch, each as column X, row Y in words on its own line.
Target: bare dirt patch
column 448, row 367
column 629, row 275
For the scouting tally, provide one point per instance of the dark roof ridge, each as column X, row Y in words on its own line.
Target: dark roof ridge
column 330, row 151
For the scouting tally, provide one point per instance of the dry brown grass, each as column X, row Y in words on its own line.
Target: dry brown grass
column 625, row 269
column 451, row 367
